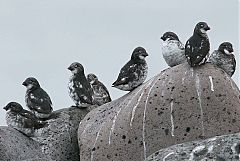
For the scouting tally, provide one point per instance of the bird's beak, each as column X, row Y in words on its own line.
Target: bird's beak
column 207, row 28
column 163, row 38
column 5, row 108
column 145, row 54
column 70, row 68
column 24, row 83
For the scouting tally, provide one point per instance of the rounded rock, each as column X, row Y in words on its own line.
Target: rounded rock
column 180, row 104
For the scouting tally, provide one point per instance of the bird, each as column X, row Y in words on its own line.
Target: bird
column 79, row 88
column 224, row 58
column 37, row 100
column 134, row 72
column 22, row 120
column 172, row 49
column 197, row 46
column 101, row 94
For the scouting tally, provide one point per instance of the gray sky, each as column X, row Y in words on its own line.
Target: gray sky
column 42, row 38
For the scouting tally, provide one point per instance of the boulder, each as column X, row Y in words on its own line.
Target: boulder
column 57, row 140
column 15, row 146
column 178, row 105
column 220, row 148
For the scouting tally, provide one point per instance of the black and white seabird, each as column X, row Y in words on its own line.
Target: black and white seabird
column 224, row 58
column 134, row 72
column 172, row 49
column 22, row 120
column 80, row 89
column 37, row 100
column 197, row 47
column 101, row 94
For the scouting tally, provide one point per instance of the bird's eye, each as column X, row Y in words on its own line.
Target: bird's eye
column 76, row 65
column 201, row 25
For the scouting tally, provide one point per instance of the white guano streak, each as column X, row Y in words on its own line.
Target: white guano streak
column 198, row 88
column 144, row 121
column 163, row 91
column 183, row 78
column 139, row 99
column 92, row 152
column 115, row 117
column 211, row 82
column 113, row 125
column 191, row 68
column 171, row 114
column 167, row 156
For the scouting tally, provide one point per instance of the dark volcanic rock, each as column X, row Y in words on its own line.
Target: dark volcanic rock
column 180, row 104
column 14, row 146
column 221, row 148
column 57, row 140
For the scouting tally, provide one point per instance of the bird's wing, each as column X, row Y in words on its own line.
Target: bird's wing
column 40, row 101
column 31, row 120
column 196, row 50
column 27, row 114
column 105, row 90
column 126, row 73
column 201, row 51
column 234, row 64
column 83, row 90
column 188, row 51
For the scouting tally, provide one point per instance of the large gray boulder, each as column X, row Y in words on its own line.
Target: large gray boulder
column 14, row 146
column 57, row 140
column 220, row 148
column 178, row 105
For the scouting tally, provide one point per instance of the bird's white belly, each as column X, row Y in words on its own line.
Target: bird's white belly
column 172, row 54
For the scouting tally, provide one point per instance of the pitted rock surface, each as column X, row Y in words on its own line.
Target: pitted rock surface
column 14, row 146
column 178, row 105
column 220, row 148
column 57, row 140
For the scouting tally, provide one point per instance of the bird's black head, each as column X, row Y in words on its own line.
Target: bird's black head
column 92, row 78
column 169, row 36
column 76, row 68
column 201, row 28
column 139, row 53
column 226, row 48
column 13, row 106
column 31, row 83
